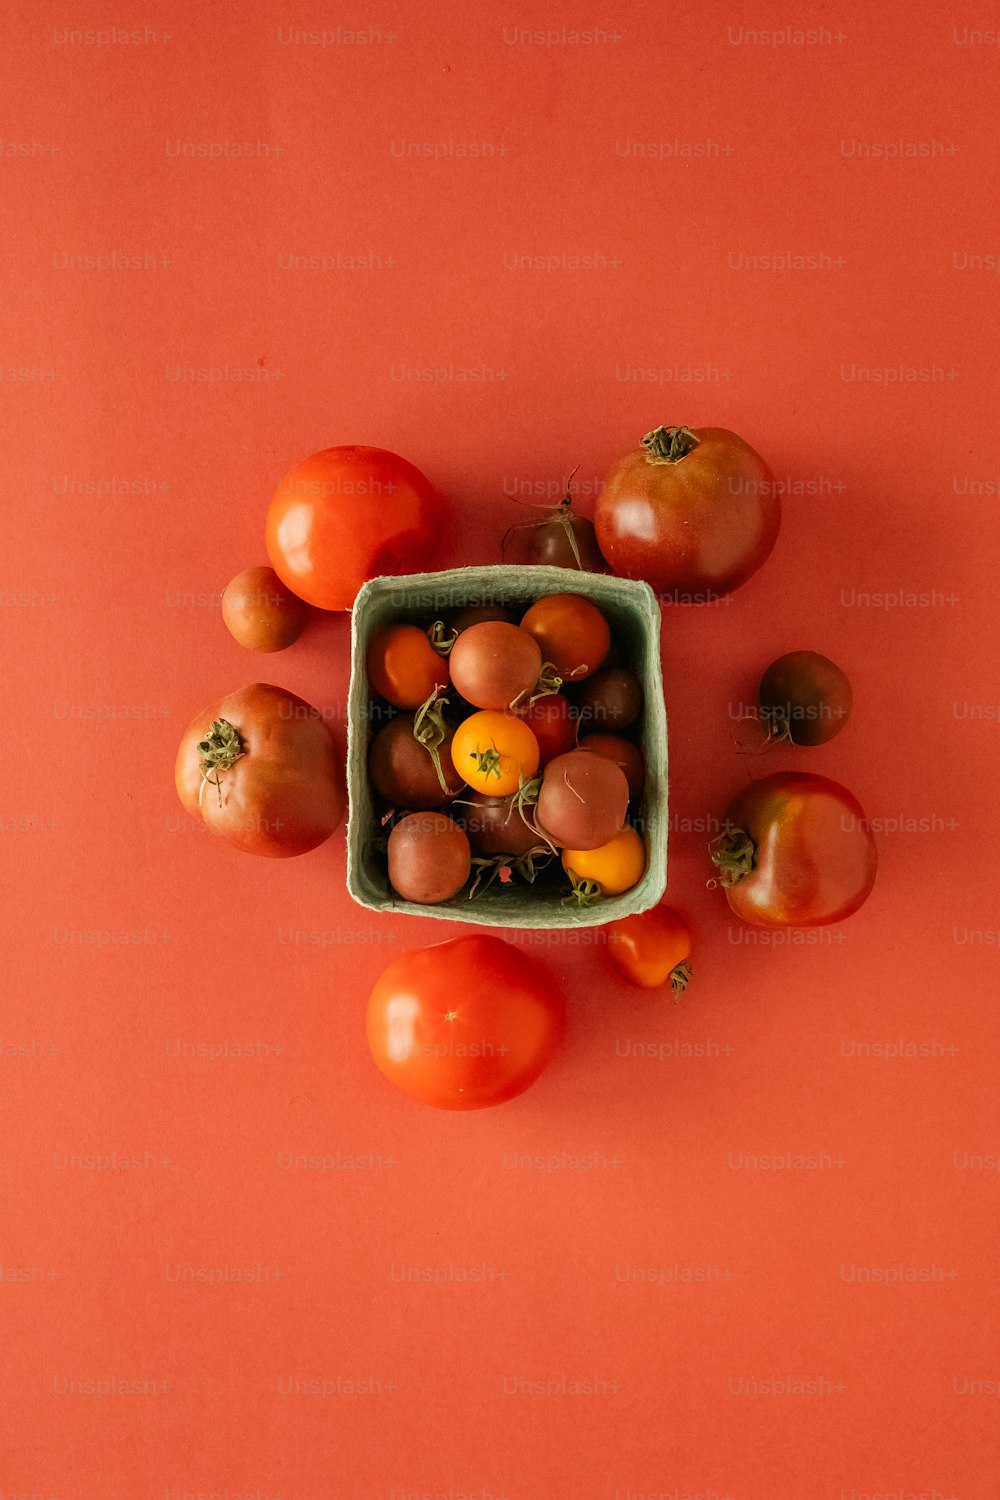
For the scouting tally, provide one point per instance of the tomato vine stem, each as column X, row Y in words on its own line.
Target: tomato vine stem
column 668, row 445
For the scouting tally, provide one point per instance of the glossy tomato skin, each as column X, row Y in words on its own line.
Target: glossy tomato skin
column 465, row 1024
column 554, row 724
column 815, row 859
column 348, row 514
column 260, row 613
column 285, row 794
column 651, row 948
column 700, row 526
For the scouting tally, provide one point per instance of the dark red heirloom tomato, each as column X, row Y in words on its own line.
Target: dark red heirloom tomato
column 261, row 768
column 429, row 857
column 583, row 800
column 348, row 514
column 494, row 665
column 798, row 852
column 690, row 511
column 804, row 697
column 464, row 1024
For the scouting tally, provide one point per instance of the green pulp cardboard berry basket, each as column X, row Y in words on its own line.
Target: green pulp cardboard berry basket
column 632, row 611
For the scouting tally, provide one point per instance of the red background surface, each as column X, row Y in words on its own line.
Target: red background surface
column 642, row 1253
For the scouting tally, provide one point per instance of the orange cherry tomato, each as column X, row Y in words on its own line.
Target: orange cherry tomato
column 573, row 634
column 616, row 866
column 494, row 752
column 403, row 665
column 652, row 948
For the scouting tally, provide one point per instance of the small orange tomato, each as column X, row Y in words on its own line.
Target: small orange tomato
column 652, row 948
column 616, row 866
column 403, row 665
column 573, row 634
column 494, row 752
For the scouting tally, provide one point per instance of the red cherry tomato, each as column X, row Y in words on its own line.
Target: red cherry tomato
column 553, row 723
column 797, row 852
column 349, row 514
column 464, row 1024
column 651, row 948
column 693, row 512
column 572, row 633
column 261, row 768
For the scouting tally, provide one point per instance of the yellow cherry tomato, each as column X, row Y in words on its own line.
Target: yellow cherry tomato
column 493, row 752
column 616, row 866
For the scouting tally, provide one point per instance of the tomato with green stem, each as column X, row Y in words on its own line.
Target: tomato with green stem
column 494, row 752
column 797, row 852
column 652, row 948
column 610, row 870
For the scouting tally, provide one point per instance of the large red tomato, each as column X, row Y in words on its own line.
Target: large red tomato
column 798, row 852
column 693, row 512
column 261, row 768
column 349, row 514
column 464, row 1024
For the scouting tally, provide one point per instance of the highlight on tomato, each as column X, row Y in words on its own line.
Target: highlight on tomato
column 261, row 768
column 652, row 949
column 797, row 852
column 465, row 1024
column 348, row 514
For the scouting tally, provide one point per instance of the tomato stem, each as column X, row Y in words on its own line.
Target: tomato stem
column 583, row 892
column 668, row 445
column 219, row 751
column 441, row 637
column 733, row 854
column 429, row 730
column 679, row 978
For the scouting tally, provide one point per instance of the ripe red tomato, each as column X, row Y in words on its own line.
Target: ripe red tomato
column 261, row 768
column 349, row 514
column 464, row 1024
column 798, row 853
column 651, row 948
column 403, row 666
column 553, row 723
column 694, row 513
column 572, row 633
column 260, row 613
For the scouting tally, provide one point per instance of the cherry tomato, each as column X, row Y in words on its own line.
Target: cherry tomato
column 494, row 665
column 260, row 613
column 610, row 700
column 261, row 768
column 798, row 853
column 553, row 723
column 572, row 633
column 475, row 614
column 494, row 752
column 465, row 1024
column 429, row 858
column 495, row 826
column 583, row 800
column 624, row 754
column 651, row 948
column 805, row 698
column 405, row 772
column 615, row 867
column 693, row 512
column 560, row 539
column 348, row 514
column 403, row 665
